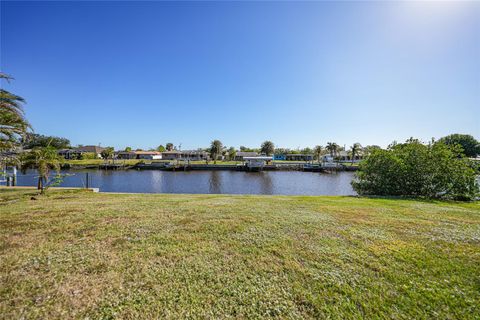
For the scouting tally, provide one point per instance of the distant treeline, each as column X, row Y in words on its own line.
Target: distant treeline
column 469, row 145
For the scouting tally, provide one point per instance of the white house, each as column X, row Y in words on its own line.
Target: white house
column 147, row 155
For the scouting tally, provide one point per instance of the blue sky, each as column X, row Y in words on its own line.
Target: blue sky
column 142, row 74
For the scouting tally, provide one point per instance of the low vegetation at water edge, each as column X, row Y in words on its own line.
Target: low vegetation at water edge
column 413, row 169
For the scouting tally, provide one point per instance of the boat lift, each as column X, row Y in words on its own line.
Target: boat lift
column 256, row 163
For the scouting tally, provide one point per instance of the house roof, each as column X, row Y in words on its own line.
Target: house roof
column 341, row 153
column 93, row 149
column 184, row 152
column 140, row 152
column 246, row 154
column 193, row 151
column 265, row 158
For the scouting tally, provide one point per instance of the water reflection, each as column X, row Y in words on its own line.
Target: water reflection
column 266, row 186
column 227, row 182
column 215, row 182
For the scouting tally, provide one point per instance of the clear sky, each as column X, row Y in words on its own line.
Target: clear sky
column 142, row 74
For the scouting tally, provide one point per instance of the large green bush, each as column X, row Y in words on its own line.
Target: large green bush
column 435, row 171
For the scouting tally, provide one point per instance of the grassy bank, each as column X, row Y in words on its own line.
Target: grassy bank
column 132, row 162
column 75, row 254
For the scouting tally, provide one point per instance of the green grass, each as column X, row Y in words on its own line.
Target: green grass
column 350, row 164
column 97, row 162
column 74, row 254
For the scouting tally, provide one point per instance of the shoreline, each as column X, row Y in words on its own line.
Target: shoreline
column 164, row 166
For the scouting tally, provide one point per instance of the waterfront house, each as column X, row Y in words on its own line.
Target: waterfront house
column 240, row 155
column 299, row 157
column 125, row 155
column 149, row 155
column 327, row 158
column 342, row 156
column 280, row 157
column 192, row 155
column 77, row 153
column 171, row 155
column 146, row 155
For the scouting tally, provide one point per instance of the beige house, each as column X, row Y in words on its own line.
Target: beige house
column 193, row 155
column 147, row 155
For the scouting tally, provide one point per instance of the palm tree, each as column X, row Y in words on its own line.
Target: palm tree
column 13, row 124
column 355, row 149
column 44, row 159
column 216, row 148
column 268, row 148
column 332, row 147
column 317, row 152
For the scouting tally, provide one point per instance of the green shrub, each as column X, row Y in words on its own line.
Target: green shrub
column 89, row 156
column 434, row 171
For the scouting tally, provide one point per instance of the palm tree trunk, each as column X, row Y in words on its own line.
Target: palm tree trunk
column 40, row 184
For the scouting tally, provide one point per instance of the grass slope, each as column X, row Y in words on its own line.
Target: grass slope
column 75, row 254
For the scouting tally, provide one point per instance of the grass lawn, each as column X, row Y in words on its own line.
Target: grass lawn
column 350, row 164
column 97, row 162
column 74, row 254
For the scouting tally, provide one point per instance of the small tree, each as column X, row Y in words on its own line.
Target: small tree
column 267, row 148
column 317, row 152
column 161, row 148
column 369, row 149
column 88, row 156
column 216, row 148
column 355, row 150
column 44, row 159
column 169, row 146
column 232, row 153
column 306, row 150
column 107, row 153
column 128, row 149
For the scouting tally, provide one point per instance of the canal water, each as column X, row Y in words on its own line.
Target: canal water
column 214, row 182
